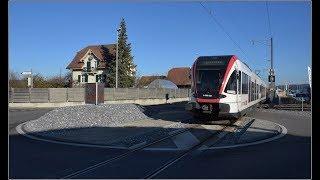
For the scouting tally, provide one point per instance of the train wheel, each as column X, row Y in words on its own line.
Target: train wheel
column 196, row 115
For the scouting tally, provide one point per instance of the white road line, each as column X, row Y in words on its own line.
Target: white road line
column 21, row 132
column 283, row 133
column 185, row 140
column 138, row 145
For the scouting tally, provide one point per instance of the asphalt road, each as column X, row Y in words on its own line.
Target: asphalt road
column 287, row 157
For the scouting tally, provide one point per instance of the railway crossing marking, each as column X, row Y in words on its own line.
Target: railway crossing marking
column 185, row 140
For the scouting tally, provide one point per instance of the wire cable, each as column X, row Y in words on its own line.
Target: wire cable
column 224, row 30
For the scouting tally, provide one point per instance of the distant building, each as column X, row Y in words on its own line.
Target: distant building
column 144, row 81
column 162, row 83
column 180, row 76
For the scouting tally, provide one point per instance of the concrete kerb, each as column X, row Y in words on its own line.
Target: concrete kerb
column 20, row 130
column 282, row 133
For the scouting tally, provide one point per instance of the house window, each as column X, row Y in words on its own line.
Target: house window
column 85, row 78
column 88, row 65
column 104, row 78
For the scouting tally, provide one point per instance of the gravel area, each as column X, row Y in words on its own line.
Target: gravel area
column 104, row 115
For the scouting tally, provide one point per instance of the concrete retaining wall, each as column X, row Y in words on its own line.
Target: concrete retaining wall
column 39, row 95
column 75, row 94
column 63, row 104
column 58, row 97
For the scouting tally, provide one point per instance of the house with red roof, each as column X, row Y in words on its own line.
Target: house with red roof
column 89, row 64
column 180, row 76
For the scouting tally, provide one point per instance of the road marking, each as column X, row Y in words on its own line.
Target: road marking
column 216, row 138
column 175, row 131
column 138, row 145
column 283, row 133
column 21, row 132
column 185, row 140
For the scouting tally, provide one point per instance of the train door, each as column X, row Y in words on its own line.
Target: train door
column 237, row 94
column 239, row 91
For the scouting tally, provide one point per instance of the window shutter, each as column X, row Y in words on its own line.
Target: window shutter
column 104, row 78
column 86, row 78
column 97, row 78
column 79, row 78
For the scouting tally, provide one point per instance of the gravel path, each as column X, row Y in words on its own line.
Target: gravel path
column 105, row 115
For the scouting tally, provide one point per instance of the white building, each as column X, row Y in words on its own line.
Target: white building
column 89, row 64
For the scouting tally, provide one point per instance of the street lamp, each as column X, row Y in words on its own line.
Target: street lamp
column 117, row 57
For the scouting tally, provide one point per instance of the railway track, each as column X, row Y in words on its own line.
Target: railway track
column 153, row 173
column 290, row 107
column 293, row 107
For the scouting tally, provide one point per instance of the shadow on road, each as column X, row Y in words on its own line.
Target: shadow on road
column 288, row 157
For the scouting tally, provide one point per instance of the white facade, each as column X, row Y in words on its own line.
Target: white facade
column 89, row 69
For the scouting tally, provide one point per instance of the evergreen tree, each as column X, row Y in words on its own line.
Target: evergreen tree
column 126, row 66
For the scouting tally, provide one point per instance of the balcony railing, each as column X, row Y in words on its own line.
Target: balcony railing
column 89, row 69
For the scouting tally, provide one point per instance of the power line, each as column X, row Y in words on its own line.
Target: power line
column 269, row 24
column 220, row 25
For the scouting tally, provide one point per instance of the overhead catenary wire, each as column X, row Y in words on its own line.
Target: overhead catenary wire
column 223, row 29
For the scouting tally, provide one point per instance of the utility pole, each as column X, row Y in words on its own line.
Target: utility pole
column 271, row 72
column 271, row 77
column 31, row 78
column 117, row 57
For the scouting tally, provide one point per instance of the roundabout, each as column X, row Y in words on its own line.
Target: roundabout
column 161, row 135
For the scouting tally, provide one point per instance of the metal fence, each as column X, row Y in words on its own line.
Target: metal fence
column 42, row 95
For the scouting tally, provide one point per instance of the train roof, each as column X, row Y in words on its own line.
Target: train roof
column 224, row 57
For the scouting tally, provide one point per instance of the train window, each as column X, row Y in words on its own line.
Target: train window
column 255, row 90
column 258, row 89
column 252, row 91
column 249, row 90
column 232, row 83
column 239, row 82
column 208, row 82
column 244, row 83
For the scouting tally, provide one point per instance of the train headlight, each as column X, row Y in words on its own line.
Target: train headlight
column 222, row 96
column 205, row 107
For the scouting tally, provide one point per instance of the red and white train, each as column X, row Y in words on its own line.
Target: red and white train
column 223, row 86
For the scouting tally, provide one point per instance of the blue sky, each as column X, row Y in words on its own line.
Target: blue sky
column 45, row 36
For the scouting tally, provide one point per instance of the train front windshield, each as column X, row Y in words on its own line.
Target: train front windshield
column 208, row 82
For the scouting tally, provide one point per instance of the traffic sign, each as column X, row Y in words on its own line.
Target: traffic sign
column 26, row 72
column 271, row 78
